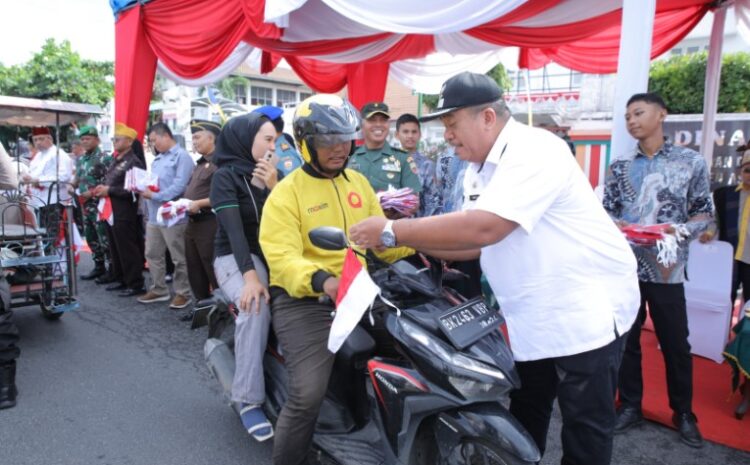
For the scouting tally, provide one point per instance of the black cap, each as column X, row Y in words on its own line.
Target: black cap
column 205, row 125
column 373, row 108
column 465, row 90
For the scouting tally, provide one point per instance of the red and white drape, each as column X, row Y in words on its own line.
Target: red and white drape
column 359, row 43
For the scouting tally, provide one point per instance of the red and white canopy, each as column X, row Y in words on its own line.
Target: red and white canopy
column 334, row 43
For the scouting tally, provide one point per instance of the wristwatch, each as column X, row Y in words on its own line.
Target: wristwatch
column 387, row 237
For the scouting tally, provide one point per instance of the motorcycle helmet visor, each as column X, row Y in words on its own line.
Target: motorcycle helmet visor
column 327, row 140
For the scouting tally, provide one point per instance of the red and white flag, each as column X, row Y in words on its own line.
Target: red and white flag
column 357, row 291
column 105, row 210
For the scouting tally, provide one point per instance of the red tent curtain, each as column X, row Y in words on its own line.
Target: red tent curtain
column 601, row 49
column 135, row 67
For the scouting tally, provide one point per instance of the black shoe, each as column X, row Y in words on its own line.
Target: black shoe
column 187, row 316
column 116, row 287
column 105, row 279
column 8, row 390
column 687, row 426
column 95, row 273
column 132, row 292
column 627, row 417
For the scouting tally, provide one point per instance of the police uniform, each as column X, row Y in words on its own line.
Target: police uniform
column 289, row 158
column 91, row 168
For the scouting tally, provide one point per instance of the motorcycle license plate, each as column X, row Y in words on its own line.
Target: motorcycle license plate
column 469, row 322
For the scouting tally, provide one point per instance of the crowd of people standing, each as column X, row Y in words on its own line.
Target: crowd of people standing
column 505, row 201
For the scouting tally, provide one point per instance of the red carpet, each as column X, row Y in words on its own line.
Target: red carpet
column 713, row 401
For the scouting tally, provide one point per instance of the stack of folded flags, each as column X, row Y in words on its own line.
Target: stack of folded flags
column 402, row 200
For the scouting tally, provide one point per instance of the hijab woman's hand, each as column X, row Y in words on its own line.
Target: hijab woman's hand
column 252, row 292
column 267, row 172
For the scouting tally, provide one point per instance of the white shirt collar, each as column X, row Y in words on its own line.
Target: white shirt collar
column 503, row 138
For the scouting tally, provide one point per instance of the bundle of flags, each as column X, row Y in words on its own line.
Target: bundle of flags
column 664, row 236
column 403, row 200
column 138, row 180
column 171, row 213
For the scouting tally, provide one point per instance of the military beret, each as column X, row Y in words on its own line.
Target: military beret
column 88, row 131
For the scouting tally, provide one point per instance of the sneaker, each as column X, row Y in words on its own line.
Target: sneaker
column 179, row 301
column 255, row 422
column 168, row 278
column 151, row 297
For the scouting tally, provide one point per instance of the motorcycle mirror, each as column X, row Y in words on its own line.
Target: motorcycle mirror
column 329, row 238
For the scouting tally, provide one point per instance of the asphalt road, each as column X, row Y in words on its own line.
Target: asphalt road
column 120, row 383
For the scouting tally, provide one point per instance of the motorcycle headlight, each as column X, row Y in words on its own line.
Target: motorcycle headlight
column 447, row 353
column 470, row 388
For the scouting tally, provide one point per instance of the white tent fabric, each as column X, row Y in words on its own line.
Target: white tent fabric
column 440, row 16
column 244, row 53
column 742, row 12
column 427, row 75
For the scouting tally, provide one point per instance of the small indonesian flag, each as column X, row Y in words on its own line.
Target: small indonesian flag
column 105, row 210
column 79, row 245
column 356, row 293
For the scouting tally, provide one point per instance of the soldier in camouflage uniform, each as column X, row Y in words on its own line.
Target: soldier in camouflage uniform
column 90, row 170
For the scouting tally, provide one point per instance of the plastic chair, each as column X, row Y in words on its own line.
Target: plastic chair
column 707, row 292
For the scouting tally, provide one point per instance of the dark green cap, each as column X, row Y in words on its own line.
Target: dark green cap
column 373, row 108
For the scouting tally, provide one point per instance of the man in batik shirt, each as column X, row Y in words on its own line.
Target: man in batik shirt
column 656, row 183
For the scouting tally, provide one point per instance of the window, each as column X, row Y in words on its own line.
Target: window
column 261, row 95
column 694, row 49
column 240, row 94
column 304, row 95
column 676, row 51
column 285, row 96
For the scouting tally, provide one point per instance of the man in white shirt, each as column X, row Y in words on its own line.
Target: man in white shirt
column 45, row 170
column 563, row 274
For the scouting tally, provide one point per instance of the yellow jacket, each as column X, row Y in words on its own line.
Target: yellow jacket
column 302, row 201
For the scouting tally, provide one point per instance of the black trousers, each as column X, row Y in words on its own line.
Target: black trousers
column 127, row 252
column 741, row 275
column 199, row 256
column 9, row 350
column 302, row 327
column 584, row 385
column 666, row 304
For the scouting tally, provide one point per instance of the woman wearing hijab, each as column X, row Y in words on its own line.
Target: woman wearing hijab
column 240, row 154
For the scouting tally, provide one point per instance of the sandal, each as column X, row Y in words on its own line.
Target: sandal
column 255, row 422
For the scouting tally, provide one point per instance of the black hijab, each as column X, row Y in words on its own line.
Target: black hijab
column 234, row 146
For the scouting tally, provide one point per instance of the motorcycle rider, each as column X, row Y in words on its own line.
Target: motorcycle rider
column 321, row 193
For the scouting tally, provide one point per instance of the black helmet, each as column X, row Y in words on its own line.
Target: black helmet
column 323, row 120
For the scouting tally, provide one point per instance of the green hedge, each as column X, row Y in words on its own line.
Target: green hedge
column 680, row 81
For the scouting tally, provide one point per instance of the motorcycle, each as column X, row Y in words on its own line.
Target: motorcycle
column 440, row 403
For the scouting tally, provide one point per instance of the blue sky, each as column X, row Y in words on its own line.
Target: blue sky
column 87, row 24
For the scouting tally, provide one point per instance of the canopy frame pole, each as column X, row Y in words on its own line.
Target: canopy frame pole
column 633, row 65
column 713, row 80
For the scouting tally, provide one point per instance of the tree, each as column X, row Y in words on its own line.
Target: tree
column 497, row 73
column 59, row 73
column 680, row 81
